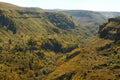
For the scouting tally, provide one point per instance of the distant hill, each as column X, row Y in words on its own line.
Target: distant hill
column 84, row 17
column 110, row 14
column 87, row 20
column 91, row 18
column 87, row 17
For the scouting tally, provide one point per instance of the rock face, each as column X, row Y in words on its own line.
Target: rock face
column 111, row 29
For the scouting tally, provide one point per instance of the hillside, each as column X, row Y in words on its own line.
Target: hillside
column 95, row 61
column 89, row 17
column 87, row 20
column 111, row 30
column 110, row 14
column 32, row 40
column 48, row 45
column 16, row 22
column 8, row 6
column 84, row 17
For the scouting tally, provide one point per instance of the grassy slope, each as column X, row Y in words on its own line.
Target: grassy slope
column 26, row 34
column 84, row 16
column 25, row 54
column 97, row 60
column 33, row 23
column 7, row 5
column 89, row 63
column 89, row 17
column 88, row 21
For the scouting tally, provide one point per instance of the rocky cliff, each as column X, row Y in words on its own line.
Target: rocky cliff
column 111, row 29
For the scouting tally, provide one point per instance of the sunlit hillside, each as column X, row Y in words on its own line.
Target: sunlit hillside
column 38, row 44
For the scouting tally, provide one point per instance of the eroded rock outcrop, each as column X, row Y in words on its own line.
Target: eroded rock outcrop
column 111, row 29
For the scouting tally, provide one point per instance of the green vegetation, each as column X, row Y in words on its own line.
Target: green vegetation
column 88, row 21
column 111, row 30
column 39, row 45
column 32, row 41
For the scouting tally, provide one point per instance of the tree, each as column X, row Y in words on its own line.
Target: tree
column 31, row 43
column 1, row 49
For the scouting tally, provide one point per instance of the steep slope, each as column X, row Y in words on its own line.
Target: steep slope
column 31, row 23
column 109, row 49
column 87, row 20
column 84, row 17
column 39, row 45
column 42, row 23
column 32, row 40
column 111, row 30
column 98, row 60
